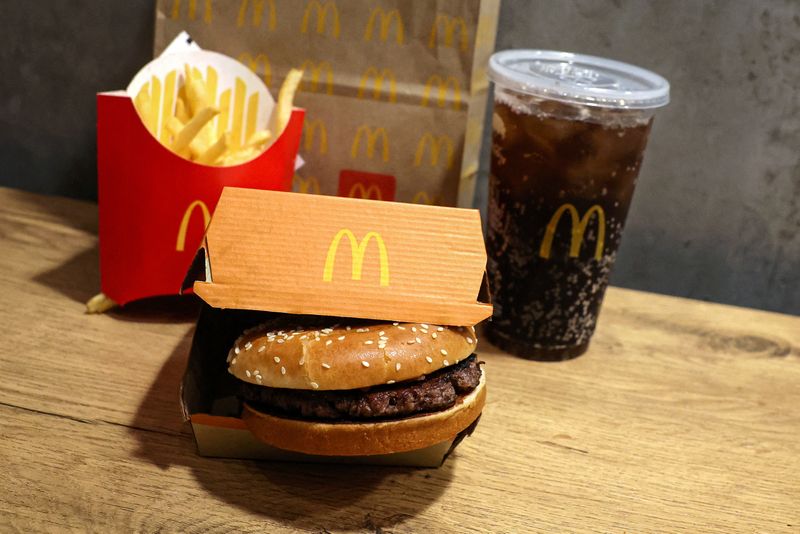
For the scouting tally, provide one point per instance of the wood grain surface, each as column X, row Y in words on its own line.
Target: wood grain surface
column 683, row 416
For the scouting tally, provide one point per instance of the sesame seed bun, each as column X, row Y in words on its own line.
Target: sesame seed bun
column 341, row 357
column 362, row 439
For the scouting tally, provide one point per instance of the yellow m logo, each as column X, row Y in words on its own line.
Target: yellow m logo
column 386, row 18
column 422, row 197
column 377, row 87
column 258, row 13
column 441, row 91
column 306, row 185
column 357, row 250
column 321, row 10
column 359, row 191
column 436, row 144
column 449, row 25
column 187, row 216
column 315, row 71
column 258, row 64
column 312, row 127
column 578, row 229
column 372, row 140
column 192, row 15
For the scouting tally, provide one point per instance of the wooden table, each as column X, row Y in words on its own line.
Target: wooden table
column 683, row 416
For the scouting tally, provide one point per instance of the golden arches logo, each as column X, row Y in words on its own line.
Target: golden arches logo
column 321, row 10
column 442, row 86
column 449, row 25
column 578, row 229
column 175, row 14
column 372, row 140
column 308, row 185
column 386, row 18
column 365, row 192
column 357, row 250
column 436, row 145
column 258, row 13
column 253, row 63
column 310, row 132
column 315, row 71
column 422, row 197
column 180, row 244
column 386, row 75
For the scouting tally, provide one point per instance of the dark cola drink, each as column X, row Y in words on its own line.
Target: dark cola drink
column 562, row 179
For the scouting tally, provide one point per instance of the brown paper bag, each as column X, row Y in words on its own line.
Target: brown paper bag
column 395, row 91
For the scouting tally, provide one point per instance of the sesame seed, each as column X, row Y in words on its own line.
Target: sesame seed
column 262, row 348
column 328, row 342
column 429, row 359
column 304, row 336
column 381, row 345
column 247, row 373
column 418, row 340
column 277, row 360
column 434, row 335
column 390, row 382
column 395, row 324
column 326, row 366
column 423, row 325
column 440, row 329
column 302, row 360
column 413, row 328
column 259, row 378
column 280, row 341
column 365, row 364
column 314, row 385
column 236, row 349
column 248, row 346
column 423, row 330
column 347, row 328
column 446, row 362
column 368, row 342
column 340, row 338
column 469, row 340
column 411, row 342
column 233, row 361
column 401, row 327
column 397, row 366
column 283, row 370
column 444, row 352
column 327, row 330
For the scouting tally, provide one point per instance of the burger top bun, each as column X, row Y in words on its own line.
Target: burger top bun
column 346, row 357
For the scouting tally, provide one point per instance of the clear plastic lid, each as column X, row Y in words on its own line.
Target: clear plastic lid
column 579, row 79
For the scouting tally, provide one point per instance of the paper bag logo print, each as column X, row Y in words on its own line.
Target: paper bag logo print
column 386, row 18
column 314, row 71
column 258, row 13
column 321, row 9
column 357, row 251
column 372, row 140
column 314, row 129
column 422, row 197
column 386, row 75
column 449, row 25
column 370, row 192
column 253, row 63
column 191, row 10
column 578, row 230
column 180, row 244
column 436, row 144
column 308, row 185
column 442, row 85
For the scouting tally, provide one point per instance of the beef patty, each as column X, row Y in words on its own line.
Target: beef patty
column 434, row 392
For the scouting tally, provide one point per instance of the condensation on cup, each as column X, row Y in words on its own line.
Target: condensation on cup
column 568, row 136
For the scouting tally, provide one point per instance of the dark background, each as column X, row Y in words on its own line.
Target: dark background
column 717, row 211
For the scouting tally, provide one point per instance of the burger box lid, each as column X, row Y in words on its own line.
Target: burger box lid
column 275, row 252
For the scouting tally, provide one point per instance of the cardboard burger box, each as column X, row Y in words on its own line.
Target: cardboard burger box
column 154, row 205
column 269, row 253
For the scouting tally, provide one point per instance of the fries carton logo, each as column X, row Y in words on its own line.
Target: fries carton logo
column 259, row 64
column 385, row 20
column 378, row 78
column 579, row 225
column 357, row 251
column 322, row 10
column 314, row 73
column 175, row 12
column 196, row 124
column 422, row 197
column 372, row 137
column 308, row 185
column 315, row 129
column 435, row 145
column 442, row 87
column 257, row 13
column 370, row 185
column 448, row 26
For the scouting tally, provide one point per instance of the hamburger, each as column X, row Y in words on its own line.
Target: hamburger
column 357, row 387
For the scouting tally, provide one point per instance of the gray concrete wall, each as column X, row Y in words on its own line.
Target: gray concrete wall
column 717, row 211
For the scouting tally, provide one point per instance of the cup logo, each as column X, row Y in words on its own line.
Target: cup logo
column 578, row 229
column 258, row 64
column 175, row 14
column 372, row 135
column 436, row 144
column 314, row 71
column 386, row 18
column 321, row 9
column 257, row 14
column 357, row 250
column 378, row 78
column 180, row 244
column 308, row 185
column 449, row 25
column 442, row 86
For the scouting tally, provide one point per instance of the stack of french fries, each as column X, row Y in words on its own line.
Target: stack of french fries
column 191, row 131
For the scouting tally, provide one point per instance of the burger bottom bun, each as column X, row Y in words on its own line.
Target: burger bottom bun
column 364, row 439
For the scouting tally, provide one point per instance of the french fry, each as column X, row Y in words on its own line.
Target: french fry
column 240, row 156
column 99, row 303
column 283, row 108
column 193, row 127
column 181, row 111
column 144, row 106
column 215, row 151
column 258, row 138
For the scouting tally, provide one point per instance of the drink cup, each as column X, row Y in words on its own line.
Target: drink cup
column 568, row 136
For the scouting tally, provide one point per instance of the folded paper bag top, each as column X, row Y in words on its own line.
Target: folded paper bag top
column 308, row 254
